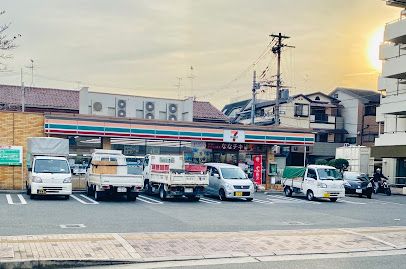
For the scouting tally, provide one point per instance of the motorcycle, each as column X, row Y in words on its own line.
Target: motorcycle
column 383, row 187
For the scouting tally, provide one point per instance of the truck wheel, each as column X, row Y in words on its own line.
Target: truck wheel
column 32, row 196
column 162, row 193
column 250, row 199
column 97, row 195
column 66, row 197
column 89, row 191
column 333, row 199
column 28, row 189
column 147, row 188
column 310, row 195
column 222, row 195
column 288, row 192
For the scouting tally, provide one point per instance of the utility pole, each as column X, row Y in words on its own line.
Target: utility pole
column 254, row 88
column 277, row 49
column 32, row 71
column 191, row 77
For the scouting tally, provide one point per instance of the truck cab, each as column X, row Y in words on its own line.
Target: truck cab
column 48, row 168
column 315, row 181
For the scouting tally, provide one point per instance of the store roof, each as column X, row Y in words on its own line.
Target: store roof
column 40, row 97
column 204, row 111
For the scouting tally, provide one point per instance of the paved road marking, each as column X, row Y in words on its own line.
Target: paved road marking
column 209, row 201
column 23, row 201
column 370, row 237
column 284, row 199
column 148, row 200
column 91, row 202
column 351, row 202
column 11, row 202
column 88, row 198
column 262, row 202
column 72, row 226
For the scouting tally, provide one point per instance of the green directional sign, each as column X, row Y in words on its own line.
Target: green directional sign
column 11, row 155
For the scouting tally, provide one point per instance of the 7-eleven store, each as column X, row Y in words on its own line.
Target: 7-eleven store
column 198, row 142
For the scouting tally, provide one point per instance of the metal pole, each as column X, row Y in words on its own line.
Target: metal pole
column 304, row 155
column 253, row 98
column 278, row 79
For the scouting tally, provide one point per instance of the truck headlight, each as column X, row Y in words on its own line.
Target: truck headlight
column 36, row 179
column 67, row 180
column 321, row 185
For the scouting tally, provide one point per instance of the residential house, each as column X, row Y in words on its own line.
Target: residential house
column 316, row 111
column 359, row 114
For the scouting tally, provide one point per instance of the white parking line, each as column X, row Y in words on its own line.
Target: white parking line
column 262, row 202
column 89, row 199
column 351, row 202
column 23, row 201
column 11, row 202
column 148, row 200
column 209, row 201
column 84, row 202
column 283, row 199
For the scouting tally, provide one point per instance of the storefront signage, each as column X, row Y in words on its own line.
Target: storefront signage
column 227, row 146
column 12, row 155
column 257, row 169
column 234, row 136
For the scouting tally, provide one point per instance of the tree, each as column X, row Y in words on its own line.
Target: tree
column 341, row 164
column 6, row 43
column 321, row 162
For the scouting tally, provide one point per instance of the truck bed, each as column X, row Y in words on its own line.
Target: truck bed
column 173, row 179
column 117, row 180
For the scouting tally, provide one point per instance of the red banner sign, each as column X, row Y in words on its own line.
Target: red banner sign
column 257, row 169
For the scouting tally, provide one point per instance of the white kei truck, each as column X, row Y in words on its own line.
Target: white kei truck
column 107, row 174
column 315, row 181
column 48, row 168
column 169, row 176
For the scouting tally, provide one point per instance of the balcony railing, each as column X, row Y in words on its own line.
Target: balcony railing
column 319, row 118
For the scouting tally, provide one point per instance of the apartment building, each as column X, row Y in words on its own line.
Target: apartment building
column 391, row 143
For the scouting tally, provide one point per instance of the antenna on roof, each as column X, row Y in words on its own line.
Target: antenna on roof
column 32, row 71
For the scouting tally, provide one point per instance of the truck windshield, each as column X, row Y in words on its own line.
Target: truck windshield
column 232, row 173
column 329, row 174
column 51, row 166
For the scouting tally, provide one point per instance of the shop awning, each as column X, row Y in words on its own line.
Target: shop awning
column 388, row 152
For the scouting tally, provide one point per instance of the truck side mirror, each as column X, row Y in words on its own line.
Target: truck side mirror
column 216, row 175
column 29, row 169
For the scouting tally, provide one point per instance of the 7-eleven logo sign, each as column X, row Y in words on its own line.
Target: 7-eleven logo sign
column 234, row 136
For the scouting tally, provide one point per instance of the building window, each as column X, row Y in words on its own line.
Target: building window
column 301, row 110
column 322, row 137
column 317, row 98
column 351, row 140
column 370, row 110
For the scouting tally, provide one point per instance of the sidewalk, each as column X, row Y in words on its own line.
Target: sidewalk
column 28, row 251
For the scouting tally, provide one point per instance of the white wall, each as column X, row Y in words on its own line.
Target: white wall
column 349, row 113
column 389, row 169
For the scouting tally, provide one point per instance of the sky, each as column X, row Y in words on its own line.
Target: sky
column 142, row 47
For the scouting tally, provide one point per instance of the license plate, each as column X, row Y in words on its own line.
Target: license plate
column 326, row 195
column 121, row 189
column 358, row 190
column 238, row 193
column 188, row 189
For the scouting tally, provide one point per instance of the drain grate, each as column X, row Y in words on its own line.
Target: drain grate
column 72, row 226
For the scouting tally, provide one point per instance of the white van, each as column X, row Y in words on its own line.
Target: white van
column 229, row 181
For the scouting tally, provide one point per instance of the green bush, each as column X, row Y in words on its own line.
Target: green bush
column 341, row 164
column 321, row 162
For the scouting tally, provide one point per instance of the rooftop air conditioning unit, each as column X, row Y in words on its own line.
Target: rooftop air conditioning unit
column 149, row 110
column 121, row 108
column 173, row 112
column 97, row 106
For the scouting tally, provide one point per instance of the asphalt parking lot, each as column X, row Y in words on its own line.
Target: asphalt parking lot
column 81, row 214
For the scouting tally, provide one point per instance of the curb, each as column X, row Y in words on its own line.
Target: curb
column 45, row 264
